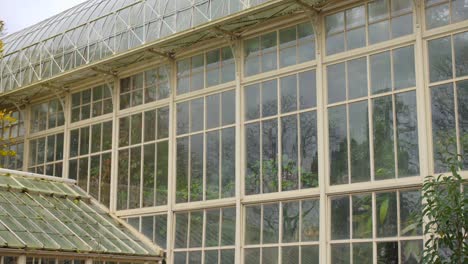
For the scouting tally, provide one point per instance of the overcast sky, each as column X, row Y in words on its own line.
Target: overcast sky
column 19, row 14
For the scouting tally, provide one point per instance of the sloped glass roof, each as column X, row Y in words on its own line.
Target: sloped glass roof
column 55, row 215
column 97, row 29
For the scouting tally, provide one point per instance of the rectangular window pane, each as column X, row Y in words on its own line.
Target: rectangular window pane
column 309, row 151
column 336, row 83
column 386, row 205
column 460, row 43
column 440, row 59
column 340, row 218
column 384, row 159
column 288, row 93
column 289, row 155
column 362, row 216
column 252, row 159
column 381, row 80
column 196, row 167
column 291, row 221
column 407, row 134
column 359, row 142
column 307, row 90
column 443, row 125
column 403, row 67
column 337, row 130
column 270, row 156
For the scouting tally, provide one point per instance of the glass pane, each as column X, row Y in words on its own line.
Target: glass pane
column 359, row 142
column 270, row 156
column 462, row 95
column 195, row 257
column 211, row 256
column 182, row 169
column 308, row 152
column 269, row 98
column 196, row 115
column 362, row 216
column 162, row 172
column 196, row 167
column 384, row 158
column 410, row 213
column 459, row 10
column 443, row 125
column 379, row 32
column 270, row 223
column 440, row 59
column 290, row 255
column 335, row 43
column 136, row 131
column 163, row 123
column 381, row 79
column 212, row 228
column 251, row 51
column 401, row 6
column 356, row 38
column 227, row 256
column 402, row 26
column 288, row 93
column 183, row 118
column 181, row 230
column 407, row 134
column 378, row 10
column 252, row 256
column 228, row 166
column 437, row 16
column 196, row 229
column 287, row 46
column 403, row 67
column 148, row 175
column 289, row 155
column 338, row 134
column 307, row 89
column 334, row 23
column 411, row 251
column 357, row 78
column 340, row 254
column 268, row 46
column 253, row 225
column 252, row 102
column 460, row 43
column 386, row 205
column 291, row 222
column 355, row 17
column 362, row 253
column 310, row 220
column 270, row 255
column 150, row 126
column 387, row 252
column 212, row 165
column 252, row 159
column 212, row 111
column 336, row 83
column 228, row 226
column 180, row 257
column 84, row 142
column 309, row 254
column 340, row 218
column 228, row 107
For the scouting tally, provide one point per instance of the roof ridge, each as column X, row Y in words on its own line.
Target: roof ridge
column 8, row 172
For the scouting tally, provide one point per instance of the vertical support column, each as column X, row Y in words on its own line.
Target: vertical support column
column 237, row 49
column 321, row 133
column 422, row 100
column 66, row 136
column 172, row 163
column 26, row 123
column 115, row 146
column 22, row 259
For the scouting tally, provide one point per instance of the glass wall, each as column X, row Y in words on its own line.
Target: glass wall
column 316, row 154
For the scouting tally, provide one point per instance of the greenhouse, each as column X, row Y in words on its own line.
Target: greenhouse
column 240, row 131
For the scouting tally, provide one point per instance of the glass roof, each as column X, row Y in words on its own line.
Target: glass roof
column 48, row 214
column 97, row 29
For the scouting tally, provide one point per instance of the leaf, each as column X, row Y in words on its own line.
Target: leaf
column 383, row 211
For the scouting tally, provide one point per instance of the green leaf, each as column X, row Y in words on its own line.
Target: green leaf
column 383, row 211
